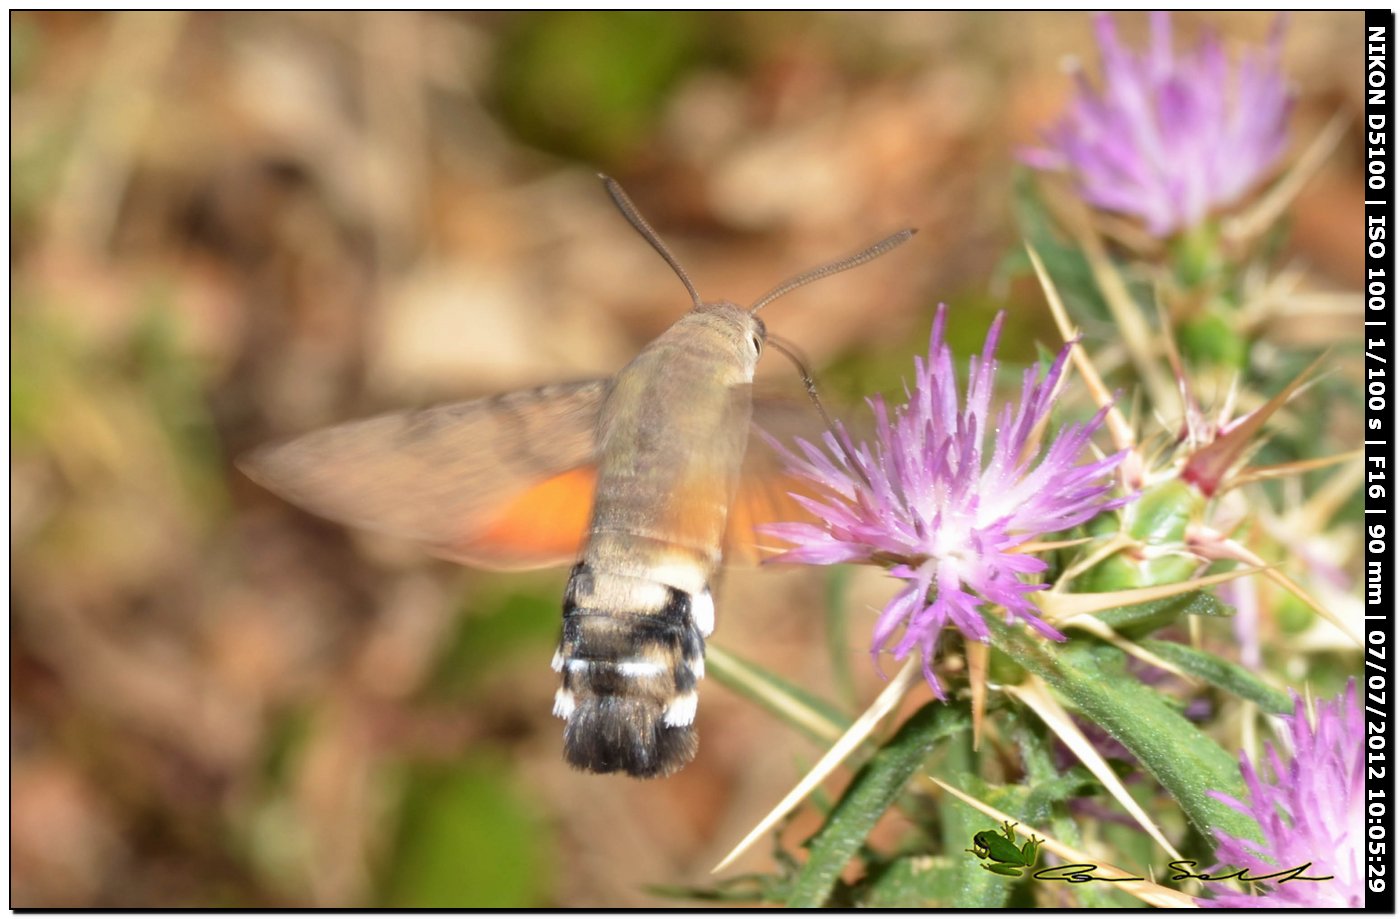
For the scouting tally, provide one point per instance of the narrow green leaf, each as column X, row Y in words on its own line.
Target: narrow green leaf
column 1090, row 675
column 1145, row 618
column 912, row 882
column 871, row 793
column 978, row 888
column 1050, row 789
column 1045, row 781
column 1229, row 677
column 1072, row 783
column 958, row 821
column 813, row 716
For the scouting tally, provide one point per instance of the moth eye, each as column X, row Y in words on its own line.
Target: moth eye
column 757, row 333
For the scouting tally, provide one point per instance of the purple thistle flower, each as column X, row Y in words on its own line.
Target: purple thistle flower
column 1170, row 137
column 944, row 496
column 1309, row 812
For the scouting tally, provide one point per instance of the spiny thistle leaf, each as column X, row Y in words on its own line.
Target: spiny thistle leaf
column 870, row 794
column 844, row 746
column 1035, row 695
column 1186, row 762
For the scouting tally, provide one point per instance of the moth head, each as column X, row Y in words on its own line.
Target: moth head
column 728, row 328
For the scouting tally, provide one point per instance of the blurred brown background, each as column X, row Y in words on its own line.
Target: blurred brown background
column 227, row 228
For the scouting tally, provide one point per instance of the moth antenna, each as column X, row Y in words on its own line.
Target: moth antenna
column 639, row 223
column 792, row 353
column 830, row 268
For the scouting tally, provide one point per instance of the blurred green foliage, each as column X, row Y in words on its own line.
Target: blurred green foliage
column 467, row 834
column 590, row 84
column 886, row 366
column 40, row 356
column 495, row 631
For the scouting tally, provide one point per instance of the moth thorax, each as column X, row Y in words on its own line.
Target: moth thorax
column 630, row 657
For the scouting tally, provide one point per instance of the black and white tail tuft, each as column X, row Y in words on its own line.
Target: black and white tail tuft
column 631, row 654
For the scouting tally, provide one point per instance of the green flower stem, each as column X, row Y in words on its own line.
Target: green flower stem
column 838, row 582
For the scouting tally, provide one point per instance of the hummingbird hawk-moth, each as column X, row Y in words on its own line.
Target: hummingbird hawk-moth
column 640, row 481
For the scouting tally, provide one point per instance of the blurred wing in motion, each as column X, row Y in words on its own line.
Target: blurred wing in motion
column 502, row 482
column 765, row 487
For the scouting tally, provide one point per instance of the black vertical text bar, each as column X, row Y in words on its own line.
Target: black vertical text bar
column 1380, row 518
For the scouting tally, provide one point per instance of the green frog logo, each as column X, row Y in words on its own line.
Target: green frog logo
column 999, row 853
